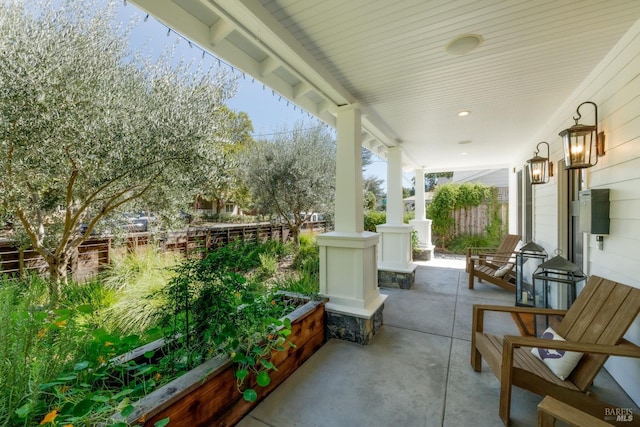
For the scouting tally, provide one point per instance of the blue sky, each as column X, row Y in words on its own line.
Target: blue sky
column 268, row 112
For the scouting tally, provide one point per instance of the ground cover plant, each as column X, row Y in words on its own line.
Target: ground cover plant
column 58, row 365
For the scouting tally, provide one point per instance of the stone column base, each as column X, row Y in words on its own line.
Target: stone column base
column 353, row 328
column 396, row 279
column 423, row 254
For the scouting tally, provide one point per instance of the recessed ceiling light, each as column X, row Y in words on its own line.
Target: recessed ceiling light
column 464, row 113
column 464, row 44
column 464, row 154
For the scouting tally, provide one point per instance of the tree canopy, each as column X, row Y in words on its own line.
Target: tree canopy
column 88, row 126
column 293, row 175
column 224, row 182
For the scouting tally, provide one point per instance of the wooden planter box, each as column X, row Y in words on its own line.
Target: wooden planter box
column 208, row 395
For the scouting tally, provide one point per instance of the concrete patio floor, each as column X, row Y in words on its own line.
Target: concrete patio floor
column 416, row 370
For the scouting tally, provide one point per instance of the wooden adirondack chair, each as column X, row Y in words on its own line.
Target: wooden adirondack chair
column 594, row 325
column 495, row 256
column 486, row 265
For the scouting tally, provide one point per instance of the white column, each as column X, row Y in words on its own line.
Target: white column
column 348, row 270
column 421, row 224
column 395, row 253
column 349, row 194
column 395, row 205
column 419, row 190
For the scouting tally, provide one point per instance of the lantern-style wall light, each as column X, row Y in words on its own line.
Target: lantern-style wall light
column 582, row 143
column 540, row 169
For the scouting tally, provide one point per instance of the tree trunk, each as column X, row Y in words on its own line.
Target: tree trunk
column 219, row 205
column 295, row 234
column 57, row 276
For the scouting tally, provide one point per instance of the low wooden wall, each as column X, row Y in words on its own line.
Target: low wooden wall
column 208, row 395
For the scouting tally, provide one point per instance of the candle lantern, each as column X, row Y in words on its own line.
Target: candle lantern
column 558, row 278
column 528, row 259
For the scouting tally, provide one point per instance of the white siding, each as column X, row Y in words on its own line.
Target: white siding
column 615, row 86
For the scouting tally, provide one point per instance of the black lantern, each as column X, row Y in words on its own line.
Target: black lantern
column 582, row 143
column 558, row 279
column 528, row 259
column 540, row 169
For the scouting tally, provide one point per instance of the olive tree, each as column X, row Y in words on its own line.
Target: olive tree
column 293, row 174
column 88, row 126
column 224, row 182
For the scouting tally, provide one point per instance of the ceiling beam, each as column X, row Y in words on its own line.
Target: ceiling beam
column 219, row 31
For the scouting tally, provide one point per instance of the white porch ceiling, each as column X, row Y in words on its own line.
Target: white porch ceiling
column 389, row 57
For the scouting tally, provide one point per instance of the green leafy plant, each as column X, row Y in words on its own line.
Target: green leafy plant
column 96, row 388
column 374, row 218
column 139, row 278
column 59, row 368
column 415, row 242
column 268, row 264
column 36, row 345
column 50, row 373
column 460, row 243
column 450, row 197
column 214, row 310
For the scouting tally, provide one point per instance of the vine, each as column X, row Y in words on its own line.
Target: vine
column 451, row 197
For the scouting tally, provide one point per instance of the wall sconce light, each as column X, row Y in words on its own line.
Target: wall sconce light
column 582, row 143
column 540, row 168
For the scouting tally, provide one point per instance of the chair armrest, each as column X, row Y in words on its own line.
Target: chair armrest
column 475, row 250
column 625, row 349
column 477, row 319
column 551, row 409
column 525, row 310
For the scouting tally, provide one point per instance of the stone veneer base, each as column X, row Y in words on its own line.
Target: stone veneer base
column 352, row 328
column 396, row 279
column 423, row 255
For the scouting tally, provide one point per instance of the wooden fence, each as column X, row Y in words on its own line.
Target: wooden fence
column 475, row 220
column 94, row 254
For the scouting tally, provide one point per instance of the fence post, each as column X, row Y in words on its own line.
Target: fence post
column 20, row 263
column 108, row 256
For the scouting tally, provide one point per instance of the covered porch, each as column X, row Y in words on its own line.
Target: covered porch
column 416, row 371
column 436, row 86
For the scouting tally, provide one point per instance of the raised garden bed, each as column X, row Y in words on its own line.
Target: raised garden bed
column 208, row 395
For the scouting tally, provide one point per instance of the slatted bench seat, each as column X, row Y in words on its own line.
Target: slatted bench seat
column 487, row 272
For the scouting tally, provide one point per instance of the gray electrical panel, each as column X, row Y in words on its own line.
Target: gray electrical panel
column 594, row 211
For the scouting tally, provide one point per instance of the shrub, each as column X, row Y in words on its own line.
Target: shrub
column 307, row 252
column 215, row 311
column 139, row 267
column 450, row 197
column 38, row 344
column 140, row 277
column 268, row 264
column 460, row 244
column 373, row 218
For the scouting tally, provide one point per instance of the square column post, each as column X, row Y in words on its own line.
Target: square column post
column 348, row 270
column 395, row 259
column 421, row 224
